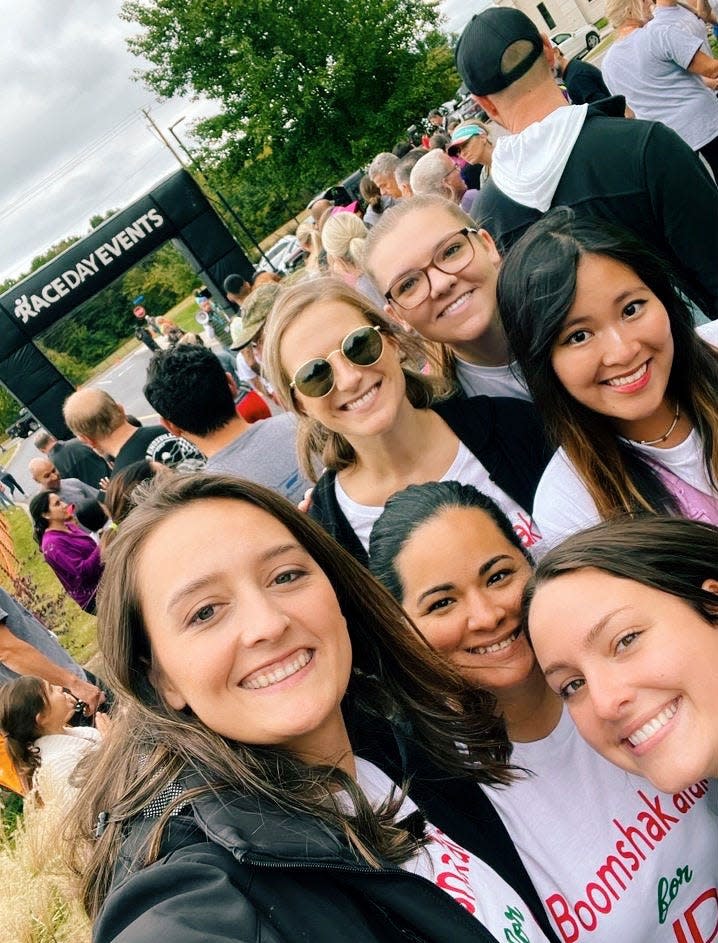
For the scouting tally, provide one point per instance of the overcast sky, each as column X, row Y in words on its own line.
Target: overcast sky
column 75, row 141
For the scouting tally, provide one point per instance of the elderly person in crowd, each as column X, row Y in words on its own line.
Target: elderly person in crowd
column 381, row 170
column 437, row 173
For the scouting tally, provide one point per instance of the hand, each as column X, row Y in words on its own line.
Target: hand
column 104, row 482
column 306, row 502
column 90, row 694
column 103, row 723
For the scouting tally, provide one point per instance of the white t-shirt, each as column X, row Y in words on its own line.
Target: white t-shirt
column 467, row 470
column 59, row 755
column 477, row 380
column 709, row 331
column 602, row 847
column 467, row 879
column 563, row 506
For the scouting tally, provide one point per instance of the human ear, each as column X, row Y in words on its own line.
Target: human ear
column 171, row 427
column 711, row 586
column 397, row 319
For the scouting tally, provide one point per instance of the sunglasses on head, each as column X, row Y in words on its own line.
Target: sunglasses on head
column 362, row 347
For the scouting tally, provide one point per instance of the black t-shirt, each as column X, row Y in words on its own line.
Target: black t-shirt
column 74, row 459
column 156, row 444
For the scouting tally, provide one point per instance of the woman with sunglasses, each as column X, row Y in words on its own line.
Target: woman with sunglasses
column 451, row 559
column 470, row 142
column 234, row 800
column 377, row 424
column 438, row 275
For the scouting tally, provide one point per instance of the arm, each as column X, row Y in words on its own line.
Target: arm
column 703, row 65
column 24, row 659
column 73, row 564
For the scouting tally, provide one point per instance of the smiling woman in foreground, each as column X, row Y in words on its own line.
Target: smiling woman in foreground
column 230, row 803
column 624, row 622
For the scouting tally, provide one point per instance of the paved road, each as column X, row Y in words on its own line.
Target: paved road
column 124, row 382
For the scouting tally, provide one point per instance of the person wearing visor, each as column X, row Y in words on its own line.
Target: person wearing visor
column 470, row 143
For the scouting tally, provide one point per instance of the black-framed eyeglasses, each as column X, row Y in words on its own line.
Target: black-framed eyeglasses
column 451, row 256
column 362, row 347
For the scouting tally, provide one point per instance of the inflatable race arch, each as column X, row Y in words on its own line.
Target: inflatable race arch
column 175, row 209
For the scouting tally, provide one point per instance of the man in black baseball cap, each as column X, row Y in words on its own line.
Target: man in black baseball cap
column 497, row 47
column 635, row 174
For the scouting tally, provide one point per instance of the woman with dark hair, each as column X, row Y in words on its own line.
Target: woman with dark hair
column 230, row 795
column 627, row 389
column 375, row 202
column 449, row 556
column 637, row 661
column 34, row 716
column 377, row 424
column 71, row 552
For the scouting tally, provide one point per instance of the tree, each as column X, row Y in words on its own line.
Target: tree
column 308, row 90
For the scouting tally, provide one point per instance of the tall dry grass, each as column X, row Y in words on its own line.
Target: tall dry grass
column 38, row 900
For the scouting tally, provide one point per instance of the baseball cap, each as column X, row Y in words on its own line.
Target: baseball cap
column 497, row 47
column 255, row 312
column 461, row 134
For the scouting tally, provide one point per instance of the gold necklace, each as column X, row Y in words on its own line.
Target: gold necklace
column 663, row 437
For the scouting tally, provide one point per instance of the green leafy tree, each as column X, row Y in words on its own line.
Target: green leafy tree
column 308, row 90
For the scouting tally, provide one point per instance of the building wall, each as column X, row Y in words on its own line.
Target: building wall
column 567, row 14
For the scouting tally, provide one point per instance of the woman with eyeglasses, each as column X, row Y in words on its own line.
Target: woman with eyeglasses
column 438, row 276
column 377, row 424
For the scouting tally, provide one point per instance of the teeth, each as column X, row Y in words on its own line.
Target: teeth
column 625, row 381
column 455, row 304
column 356, row 403
column 276, row 675
column 497, row 647
column 653, row 726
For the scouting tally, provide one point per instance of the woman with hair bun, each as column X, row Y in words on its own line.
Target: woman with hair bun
column 627, row 388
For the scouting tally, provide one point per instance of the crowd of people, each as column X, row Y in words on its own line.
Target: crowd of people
column 426, row 649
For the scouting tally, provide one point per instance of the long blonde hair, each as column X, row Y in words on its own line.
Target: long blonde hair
column 315, row 442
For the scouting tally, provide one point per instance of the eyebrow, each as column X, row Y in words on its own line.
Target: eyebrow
column 206, row 579
column 483, row 570
column 588, row 641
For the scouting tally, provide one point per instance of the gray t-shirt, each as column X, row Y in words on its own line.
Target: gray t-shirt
column 73, row 491
column 266, row 454
column 649, row 68
column 25, row 626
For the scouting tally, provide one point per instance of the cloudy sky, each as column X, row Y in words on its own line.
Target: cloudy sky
column 75, row 141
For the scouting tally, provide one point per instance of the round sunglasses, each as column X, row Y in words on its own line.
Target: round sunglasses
column 362, row 347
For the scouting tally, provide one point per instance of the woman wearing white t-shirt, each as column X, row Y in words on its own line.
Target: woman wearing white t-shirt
column 377, row 425
column 33, row 718
column 450, row 557
column 624, row 384
column 437, row 274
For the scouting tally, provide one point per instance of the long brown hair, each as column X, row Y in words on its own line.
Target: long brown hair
column 671, row 554
column 21, row 700
column 395, row 674
column 537, row 287
column 315, row 442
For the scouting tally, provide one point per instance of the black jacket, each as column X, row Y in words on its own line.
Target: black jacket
column 505, row 435
column 232, row 868
column 584, row 82
column 635, row 174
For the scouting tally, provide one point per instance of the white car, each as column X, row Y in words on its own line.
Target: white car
column 285, row 255
column 577, row 43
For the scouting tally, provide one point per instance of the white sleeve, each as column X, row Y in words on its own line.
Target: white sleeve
column 244, row 371
column 562, row 505
column 709, row 332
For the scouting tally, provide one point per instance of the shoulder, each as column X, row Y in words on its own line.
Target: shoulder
column 324, row 501
column 562, row 504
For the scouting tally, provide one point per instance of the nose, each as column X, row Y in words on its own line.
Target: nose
column 610, row 696
column 262, row 619
column 619, row 346
column 347, row 375
column 439, row 282
column 484, row 612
